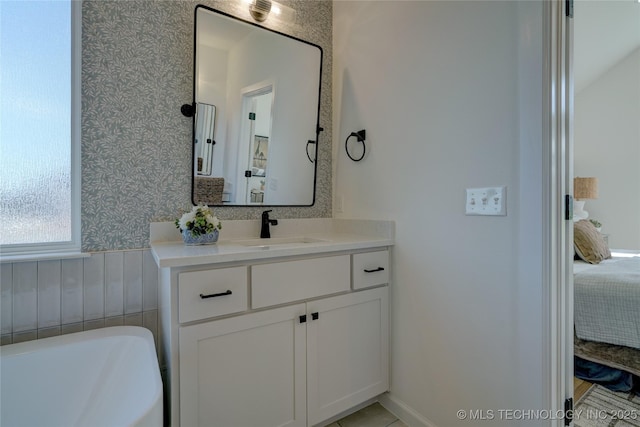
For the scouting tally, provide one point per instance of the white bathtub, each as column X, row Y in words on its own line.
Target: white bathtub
column 104, row 377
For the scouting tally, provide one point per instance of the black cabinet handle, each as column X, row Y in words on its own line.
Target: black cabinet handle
column 314, row 316
column 303, row 318
column 373, row 271
column 221, row 294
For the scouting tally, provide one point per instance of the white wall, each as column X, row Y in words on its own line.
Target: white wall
column 607, row 146
column 605, row 32
column 450, row 96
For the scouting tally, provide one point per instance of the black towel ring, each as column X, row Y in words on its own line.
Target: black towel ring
column 360, row 136
column 311, row 141
column 307, row 150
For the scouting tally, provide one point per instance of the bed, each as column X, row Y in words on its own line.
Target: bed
column 606, row 295
column 606, row 311
column 607, row 300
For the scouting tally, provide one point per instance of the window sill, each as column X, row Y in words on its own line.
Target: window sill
column 42, row 256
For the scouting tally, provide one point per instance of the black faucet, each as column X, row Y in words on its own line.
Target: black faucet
column 264, row 231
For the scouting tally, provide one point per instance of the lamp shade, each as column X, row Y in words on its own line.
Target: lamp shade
column 585, row 188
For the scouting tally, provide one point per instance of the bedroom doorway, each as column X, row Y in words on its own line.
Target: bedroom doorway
column 604, row 51
column 255, row 131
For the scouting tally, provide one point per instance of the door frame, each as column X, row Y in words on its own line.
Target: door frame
column 557, row 186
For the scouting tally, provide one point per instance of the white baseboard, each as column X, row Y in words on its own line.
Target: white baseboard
column 403, row 411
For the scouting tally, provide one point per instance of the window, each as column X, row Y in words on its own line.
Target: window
column 40, row 126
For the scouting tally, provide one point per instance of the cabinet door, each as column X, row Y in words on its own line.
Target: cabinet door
column 245, row 371
column 347, row 351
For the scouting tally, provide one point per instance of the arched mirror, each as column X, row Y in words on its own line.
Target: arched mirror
column 257, row 98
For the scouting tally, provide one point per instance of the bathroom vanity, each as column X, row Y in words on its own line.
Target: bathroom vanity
column 287, row 331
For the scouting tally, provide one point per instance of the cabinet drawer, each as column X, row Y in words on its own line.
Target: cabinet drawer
column 210, row 293
column 283, row 282
column 370, row 269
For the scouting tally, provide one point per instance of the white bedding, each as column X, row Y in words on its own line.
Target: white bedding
column 607, row 301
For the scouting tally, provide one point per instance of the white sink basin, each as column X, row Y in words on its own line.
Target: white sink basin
column 278, row 241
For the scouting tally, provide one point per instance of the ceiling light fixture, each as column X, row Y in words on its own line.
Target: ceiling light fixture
column 261, row 9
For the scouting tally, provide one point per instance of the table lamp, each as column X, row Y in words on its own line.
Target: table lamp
column 583, row 189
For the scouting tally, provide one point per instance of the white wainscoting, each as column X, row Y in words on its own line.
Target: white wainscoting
column 39, row 299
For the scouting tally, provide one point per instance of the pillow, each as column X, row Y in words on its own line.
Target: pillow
column 589, row 243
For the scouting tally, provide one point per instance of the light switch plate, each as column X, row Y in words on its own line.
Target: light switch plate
column 487, row 201
column 339, row 204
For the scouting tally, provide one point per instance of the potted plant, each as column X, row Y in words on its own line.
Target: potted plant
column 199, row 226
column 596, row 224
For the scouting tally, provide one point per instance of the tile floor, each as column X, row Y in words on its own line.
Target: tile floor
column 376, row 416
column 372, row 416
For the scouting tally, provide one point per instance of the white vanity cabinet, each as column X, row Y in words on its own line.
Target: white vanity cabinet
column 347, row 352
column 288, row 341
column 244, row 371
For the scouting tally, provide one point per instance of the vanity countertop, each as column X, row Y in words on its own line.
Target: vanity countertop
column 290, row 239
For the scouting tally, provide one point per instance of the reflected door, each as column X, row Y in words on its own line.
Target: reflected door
column 258, row 107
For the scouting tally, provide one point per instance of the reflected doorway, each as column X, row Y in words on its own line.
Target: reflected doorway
column 254, row 149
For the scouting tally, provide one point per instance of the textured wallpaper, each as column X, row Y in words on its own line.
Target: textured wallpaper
column 137, row 70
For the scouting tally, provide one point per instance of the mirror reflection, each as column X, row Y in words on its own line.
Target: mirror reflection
column 205, row 120
column 256, row 121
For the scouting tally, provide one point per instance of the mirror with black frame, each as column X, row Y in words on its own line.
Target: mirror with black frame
column 257, row 101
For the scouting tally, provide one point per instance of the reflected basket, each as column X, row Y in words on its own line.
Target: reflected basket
column 203, row 239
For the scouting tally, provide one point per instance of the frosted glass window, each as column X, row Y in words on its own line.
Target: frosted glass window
column 35, row 122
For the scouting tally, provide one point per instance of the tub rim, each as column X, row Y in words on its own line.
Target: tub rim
column 109, row 331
